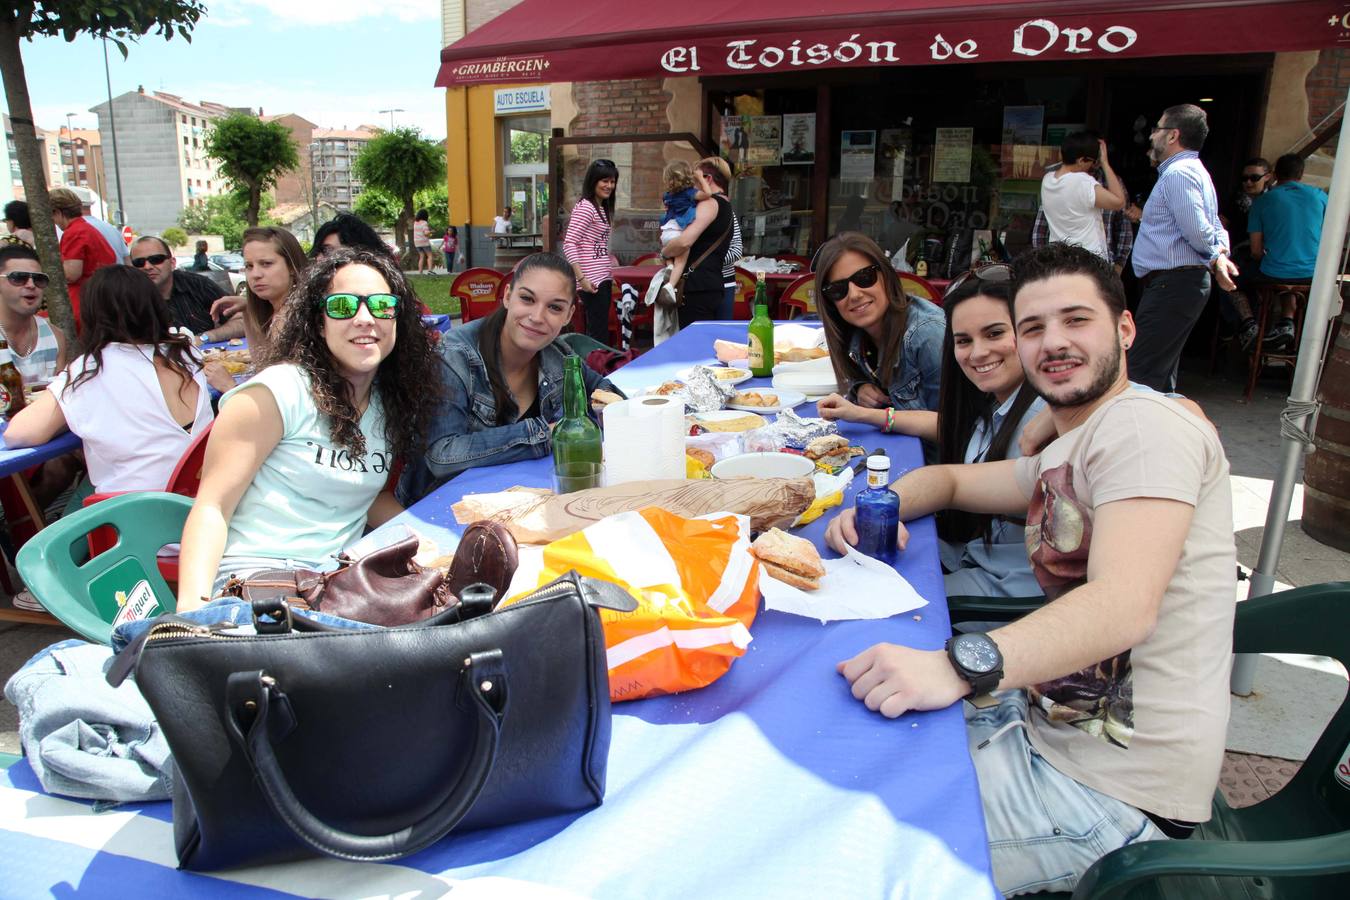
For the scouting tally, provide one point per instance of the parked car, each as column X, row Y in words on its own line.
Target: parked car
column 230, row 262
column 230, row 282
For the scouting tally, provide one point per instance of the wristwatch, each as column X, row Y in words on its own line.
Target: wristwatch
column 977, row 659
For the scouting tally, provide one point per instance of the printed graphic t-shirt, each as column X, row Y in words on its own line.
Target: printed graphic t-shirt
column 309, row 500
column 1148, row 726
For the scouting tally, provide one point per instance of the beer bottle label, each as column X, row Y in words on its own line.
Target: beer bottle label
column 756, row 352
column 5, row 399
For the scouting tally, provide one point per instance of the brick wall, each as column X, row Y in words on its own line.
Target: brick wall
column 480, row 11
column 1327, row 84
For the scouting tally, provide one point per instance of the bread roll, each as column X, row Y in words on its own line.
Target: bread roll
column 794, row 560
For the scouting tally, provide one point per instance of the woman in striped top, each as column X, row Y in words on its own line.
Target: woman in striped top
column 586, row 245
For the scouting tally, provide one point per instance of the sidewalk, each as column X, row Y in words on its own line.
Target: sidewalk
column 1269, row 732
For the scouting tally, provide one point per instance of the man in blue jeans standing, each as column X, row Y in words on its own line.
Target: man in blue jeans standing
column 1180, row 242
column 1111, row 709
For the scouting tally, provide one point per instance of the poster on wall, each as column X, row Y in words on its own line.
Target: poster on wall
column 1023, row 124
column 952, row 149
column 799, row 139
column 857, row 155
column 766, row 140
column 735, row 138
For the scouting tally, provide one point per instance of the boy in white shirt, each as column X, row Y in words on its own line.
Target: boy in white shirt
column 1072, row 199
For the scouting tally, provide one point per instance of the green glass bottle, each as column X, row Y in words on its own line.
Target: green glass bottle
column 577, row 456
column 761, row 333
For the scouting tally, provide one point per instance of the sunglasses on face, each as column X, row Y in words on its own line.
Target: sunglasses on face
column 19, row 279
column 153, row 259
column 865, row 277
column 345, row 306
column 992, row 273
column 1252, row 178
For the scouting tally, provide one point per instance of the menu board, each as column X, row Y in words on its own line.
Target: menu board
column 857, row 155
column 952, row 148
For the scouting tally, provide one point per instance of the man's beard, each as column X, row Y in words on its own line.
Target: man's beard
column 1103, row 376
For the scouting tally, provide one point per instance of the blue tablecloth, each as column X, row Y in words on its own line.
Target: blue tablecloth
column 771, row 782
column 17, row 460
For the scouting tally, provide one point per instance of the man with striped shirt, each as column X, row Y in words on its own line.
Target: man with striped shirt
column 1181, row 241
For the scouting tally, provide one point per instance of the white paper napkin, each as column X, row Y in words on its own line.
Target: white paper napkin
column 854, row 587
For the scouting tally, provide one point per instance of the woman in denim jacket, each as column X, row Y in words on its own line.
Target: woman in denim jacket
column 886, row 347
column 504, row 380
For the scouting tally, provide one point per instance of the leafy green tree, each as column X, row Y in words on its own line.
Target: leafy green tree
column 377, row 208
column 224, row 215
column 119, row 21
column 252, row 155
column 400, row 163
column 174, row 236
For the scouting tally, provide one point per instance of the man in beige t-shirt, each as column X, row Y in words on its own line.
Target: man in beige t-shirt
column 1110, row 725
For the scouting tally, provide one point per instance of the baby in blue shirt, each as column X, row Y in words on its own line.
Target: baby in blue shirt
column 680, row 199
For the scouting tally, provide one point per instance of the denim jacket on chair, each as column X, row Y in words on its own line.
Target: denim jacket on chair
column 464, row 433
column 918, row 369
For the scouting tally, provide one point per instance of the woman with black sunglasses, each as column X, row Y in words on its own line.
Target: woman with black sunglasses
column 886, row 347
column 300, row 459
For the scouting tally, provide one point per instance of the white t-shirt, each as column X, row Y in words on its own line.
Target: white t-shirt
column 1069, row 201
column 309, row 500
column 1147, row 726
column 113, row 236
column 501, row 226
column 131, row 441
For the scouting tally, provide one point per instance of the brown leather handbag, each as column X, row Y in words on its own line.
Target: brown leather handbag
column 387, row 587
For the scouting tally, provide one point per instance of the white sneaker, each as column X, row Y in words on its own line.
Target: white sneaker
column 24, row 599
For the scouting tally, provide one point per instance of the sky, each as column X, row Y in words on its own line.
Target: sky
column 334, row 62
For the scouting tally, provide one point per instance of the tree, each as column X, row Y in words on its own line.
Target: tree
column 252, row 155
column 116, row 20
column 174, row 237
column 400, row 163
column 224, row 215
column 377, row 208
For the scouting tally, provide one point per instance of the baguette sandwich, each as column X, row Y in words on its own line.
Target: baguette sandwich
column 791, row 560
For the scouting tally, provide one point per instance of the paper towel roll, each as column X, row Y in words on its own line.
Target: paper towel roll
column 644, row 439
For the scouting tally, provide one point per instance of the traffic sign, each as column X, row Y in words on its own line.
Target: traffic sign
column 127, row 234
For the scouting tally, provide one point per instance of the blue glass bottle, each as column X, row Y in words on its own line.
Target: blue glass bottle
column 878, row 512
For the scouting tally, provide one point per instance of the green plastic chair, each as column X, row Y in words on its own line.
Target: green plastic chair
column 122, row 581
column 1296, row 844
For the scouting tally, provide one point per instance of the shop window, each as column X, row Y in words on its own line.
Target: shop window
column 525, row 169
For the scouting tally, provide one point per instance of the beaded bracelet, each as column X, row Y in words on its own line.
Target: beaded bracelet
column 890, row 418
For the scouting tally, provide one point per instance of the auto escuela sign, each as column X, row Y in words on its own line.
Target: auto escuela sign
column 1058, row 34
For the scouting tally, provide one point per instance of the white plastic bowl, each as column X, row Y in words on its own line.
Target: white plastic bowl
column 764, row 465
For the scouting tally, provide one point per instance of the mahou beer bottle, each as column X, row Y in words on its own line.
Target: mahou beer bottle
column 11, row 383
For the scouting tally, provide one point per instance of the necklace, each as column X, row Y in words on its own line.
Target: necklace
column 14, row 343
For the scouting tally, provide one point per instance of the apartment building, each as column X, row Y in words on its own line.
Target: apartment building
column 80, row 151
column 332, row 151
column 161, row 140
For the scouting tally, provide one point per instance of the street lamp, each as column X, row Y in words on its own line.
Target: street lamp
column 391, row 115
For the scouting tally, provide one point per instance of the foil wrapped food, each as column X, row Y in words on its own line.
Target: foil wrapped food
column 796, row 432
column 703, row 392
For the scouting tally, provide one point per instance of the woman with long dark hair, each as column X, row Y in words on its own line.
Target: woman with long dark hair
column 274, row 262
column 984, row 404
column 586, row 245
column 504, row 380
column 886, row 347
column 707, row 240
column 134, row 391
column 299, row 460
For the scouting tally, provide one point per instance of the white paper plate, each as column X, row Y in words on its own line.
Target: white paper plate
column 786, row 400
column 813, row 384
column 683, row 374
column 763, row 465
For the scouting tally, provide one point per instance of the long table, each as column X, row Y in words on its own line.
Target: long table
column 771, row 782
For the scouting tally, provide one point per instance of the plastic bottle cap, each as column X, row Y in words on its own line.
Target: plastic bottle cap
column 878, row 463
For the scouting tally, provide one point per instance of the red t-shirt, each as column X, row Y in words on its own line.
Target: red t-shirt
column 82, row 241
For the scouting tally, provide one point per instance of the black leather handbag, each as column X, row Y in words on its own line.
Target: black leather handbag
column 370, row 745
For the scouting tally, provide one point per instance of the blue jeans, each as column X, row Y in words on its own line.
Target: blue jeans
column 1045, row 829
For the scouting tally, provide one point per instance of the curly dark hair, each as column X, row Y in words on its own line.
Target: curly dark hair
column 408, row 380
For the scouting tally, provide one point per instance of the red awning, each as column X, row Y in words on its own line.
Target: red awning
column 545, row 40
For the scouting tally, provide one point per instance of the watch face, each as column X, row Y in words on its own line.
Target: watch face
column 975, row 653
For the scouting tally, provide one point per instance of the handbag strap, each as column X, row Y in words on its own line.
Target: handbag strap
column 257, row 695
column 715, row 244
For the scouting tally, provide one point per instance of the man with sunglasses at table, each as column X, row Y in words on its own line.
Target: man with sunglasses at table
column 189, row 296
column 1180, row 242
column 1109, row 725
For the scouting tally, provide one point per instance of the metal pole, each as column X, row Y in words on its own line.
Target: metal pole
column 1300, row 406
column 112, row 123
